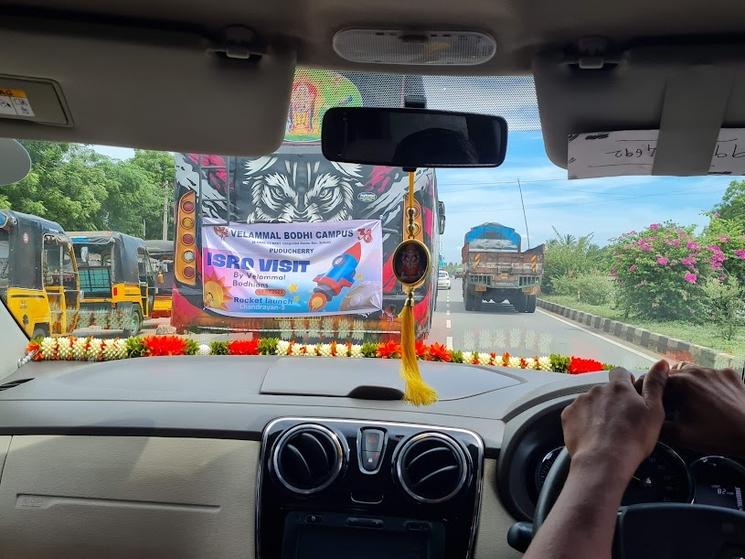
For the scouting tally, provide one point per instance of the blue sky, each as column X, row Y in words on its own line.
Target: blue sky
column 605, row 207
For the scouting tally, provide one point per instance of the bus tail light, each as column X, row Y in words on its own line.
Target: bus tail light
column 186, row 223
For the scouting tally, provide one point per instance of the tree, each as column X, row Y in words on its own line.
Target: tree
column 569, row 256
column 161, row 168
column 732, row 206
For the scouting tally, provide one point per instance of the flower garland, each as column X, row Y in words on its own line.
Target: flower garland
column 71, row 348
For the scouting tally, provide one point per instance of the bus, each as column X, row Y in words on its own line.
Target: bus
column 297, row 184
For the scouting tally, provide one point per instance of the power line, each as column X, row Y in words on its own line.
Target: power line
column 525, row 215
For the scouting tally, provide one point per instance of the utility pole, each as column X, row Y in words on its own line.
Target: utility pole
column 165, row 210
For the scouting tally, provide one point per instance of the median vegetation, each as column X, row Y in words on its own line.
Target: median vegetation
column 673, row 279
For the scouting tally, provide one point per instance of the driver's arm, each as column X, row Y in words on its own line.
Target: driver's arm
column 608, row 432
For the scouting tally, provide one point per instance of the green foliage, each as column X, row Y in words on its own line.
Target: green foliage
column 268, row 346
column 135, row 347
column 559, row 363
column 370, row 349
column 84, row 190
column 456, row 356
column 219, row 348
column 732, row 206
column 192, row 347
column 595, row 288
column 569, row 256
column 725, row 304
column 725, row 239
column 660, row 271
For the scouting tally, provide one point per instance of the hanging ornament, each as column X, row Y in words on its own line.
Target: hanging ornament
column 411, row 265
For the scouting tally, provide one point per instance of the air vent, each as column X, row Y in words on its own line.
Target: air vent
column 14, row 383
column 431, row 467
column 308, row 458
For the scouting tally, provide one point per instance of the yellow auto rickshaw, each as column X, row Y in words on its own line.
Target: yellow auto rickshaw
column 117, row 282
column 161, row 255
column 39, row 280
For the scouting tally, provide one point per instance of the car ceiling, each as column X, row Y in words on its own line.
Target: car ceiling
column 144, row 74
column 520, row 27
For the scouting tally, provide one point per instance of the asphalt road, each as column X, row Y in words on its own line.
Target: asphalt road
column 498, row 327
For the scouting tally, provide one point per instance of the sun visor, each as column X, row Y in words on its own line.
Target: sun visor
column 146, row 88
column 655, row 110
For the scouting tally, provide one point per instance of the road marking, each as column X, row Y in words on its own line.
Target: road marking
column 447, row 312
column 449, row 342
column 448, row 324
column 610, row 341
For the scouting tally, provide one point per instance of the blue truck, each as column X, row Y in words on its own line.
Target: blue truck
column 495, row 268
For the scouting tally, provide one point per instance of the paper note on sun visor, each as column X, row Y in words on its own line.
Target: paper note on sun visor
column 631, row 152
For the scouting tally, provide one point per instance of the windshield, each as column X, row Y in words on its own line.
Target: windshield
column 545, row 272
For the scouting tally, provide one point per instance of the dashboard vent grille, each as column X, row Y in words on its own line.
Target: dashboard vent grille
column 308, row 458
column 431, row 467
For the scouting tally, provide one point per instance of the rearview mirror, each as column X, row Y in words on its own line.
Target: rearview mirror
column 411, row 138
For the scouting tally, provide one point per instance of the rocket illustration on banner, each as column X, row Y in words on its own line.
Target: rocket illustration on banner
column 341, row 275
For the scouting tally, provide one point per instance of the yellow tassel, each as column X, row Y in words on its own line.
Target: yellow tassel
column 417, row 391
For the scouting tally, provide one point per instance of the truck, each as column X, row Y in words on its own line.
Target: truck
column 495, row 268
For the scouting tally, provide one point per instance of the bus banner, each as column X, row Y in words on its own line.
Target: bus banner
column 298, row 269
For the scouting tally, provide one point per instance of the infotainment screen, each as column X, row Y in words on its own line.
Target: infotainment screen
column 314, row 535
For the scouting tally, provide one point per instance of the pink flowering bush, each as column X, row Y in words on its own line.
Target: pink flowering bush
column 724, row 240
column 660, row 272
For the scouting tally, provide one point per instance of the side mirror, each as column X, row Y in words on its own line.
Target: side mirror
column 441, row 213
column 15, row 162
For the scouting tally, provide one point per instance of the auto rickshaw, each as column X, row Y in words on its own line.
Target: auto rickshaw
column 39, row 280
column 161, row 255
column 117, row 282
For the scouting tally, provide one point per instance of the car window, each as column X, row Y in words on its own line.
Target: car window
column 290, row 246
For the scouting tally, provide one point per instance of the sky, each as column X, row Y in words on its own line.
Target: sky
column 604, row 207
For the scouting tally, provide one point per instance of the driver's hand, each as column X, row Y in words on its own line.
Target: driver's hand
column 709, row 410
column 613, row 423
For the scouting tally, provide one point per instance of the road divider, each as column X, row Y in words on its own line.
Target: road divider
column 675, row 349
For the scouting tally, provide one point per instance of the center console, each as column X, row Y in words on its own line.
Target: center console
column 365, row 489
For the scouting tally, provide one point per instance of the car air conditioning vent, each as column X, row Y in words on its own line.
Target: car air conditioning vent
column 14, row 383
column 431, row 467
column 308, row 458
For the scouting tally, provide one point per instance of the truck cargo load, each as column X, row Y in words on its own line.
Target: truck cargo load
column 495, row 268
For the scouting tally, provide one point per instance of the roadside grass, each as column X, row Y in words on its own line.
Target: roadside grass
column 707, row 335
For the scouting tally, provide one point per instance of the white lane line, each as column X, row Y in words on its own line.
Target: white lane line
column 448, row 324
column 449, row 342
column 447, row 312
column 610, row 341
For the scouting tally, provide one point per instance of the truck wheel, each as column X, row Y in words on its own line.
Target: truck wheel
column 518, row 302
column 41, row 331
column 133, row 324
column 530, row 303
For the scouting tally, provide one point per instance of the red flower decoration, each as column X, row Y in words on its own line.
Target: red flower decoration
column 389, row 350
column 334, row 350
column 243, row 347
column 577, row 365
column 505, row 359
column 523, row 363
column 34, row 347
column 164, row 345
column 421, row 350
column 438, row 352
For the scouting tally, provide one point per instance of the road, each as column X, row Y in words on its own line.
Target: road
column 497, row 327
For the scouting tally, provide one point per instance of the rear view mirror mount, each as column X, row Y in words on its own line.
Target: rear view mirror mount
column 412, row 138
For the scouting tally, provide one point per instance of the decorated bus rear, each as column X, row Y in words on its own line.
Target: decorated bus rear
column 333, row 227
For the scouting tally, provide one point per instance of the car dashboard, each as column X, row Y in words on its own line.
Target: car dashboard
column 281, row 457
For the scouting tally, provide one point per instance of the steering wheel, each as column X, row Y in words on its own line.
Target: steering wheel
column 658, row 530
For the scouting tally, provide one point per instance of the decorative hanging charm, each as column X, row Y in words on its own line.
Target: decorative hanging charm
column 411, row 265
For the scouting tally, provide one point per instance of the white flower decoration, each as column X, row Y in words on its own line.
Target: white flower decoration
column 514, row 362
column 544, row 363
column 283, row 347
column 355, row 351
column 324, row 350
column 484, row 359
column 48, row 347
column 204, row 349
